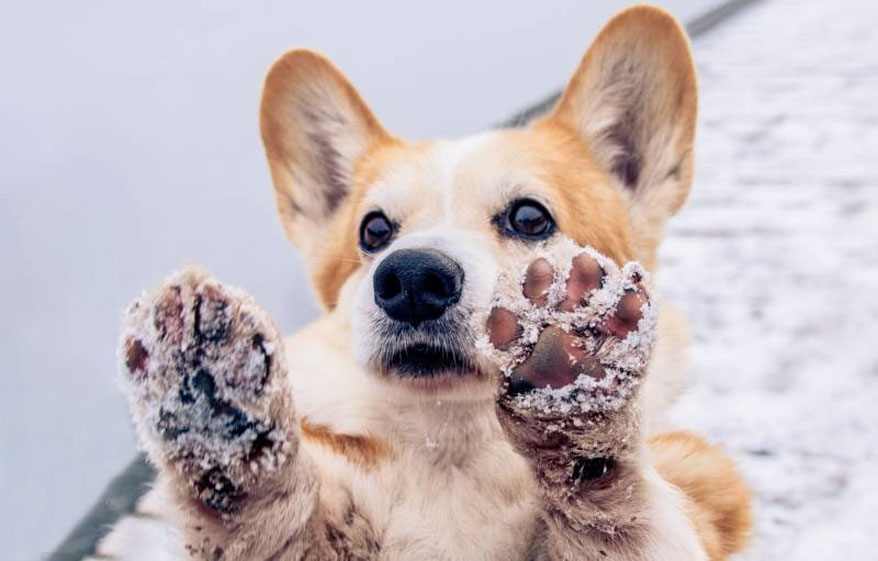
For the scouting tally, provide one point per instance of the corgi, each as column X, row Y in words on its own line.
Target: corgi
column 387, row 429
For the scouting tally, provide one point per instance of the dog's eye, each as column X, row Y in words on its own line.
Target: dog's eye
column 375, row 231
column 529, row 219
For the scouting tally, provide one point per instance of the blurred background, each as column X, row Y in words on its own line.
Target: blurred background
column 129, row 147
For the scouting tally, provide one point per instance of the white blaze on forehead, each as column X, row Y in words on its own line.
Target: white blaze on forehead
column 475, row 178
column 450, row 159
column 448, row 192
column 433, row 186
column 462, row 183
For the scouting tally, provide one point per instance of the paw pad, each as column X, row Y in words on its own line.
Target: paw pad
column 168, row 315
column 135, row 356
column 212, row 315
column 571, row 330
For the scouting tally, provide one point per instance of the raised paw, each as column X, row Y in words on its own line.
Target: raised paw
column 572, row 333
column 205, row 374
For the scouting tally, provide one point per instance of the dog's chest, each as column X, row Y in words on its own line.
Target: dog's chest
column 451, row 488
column 482, row 508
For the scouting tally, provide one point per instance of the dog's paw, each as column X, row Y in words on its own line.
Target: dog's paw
column 205, row 374
column 572, row 334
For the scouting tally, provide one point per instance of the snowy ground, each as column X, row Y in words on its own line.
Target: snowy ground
column 775, row 260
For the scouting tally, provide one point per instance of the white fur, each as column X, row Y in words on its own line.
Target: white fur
column 454, row 489
column 674, row 537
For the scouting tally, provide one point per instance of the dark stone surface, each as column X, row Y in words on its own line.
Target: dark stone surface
column 118, row 500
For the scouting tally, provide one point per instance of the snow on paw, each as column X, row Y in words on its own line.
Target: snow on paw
column 571, row 333
column 205, row 375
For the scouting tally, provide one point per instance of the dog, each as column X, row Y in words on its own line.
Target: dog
column 385, row 430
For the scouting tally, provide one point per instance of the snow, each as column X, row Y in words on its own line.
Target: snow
column 775, row 261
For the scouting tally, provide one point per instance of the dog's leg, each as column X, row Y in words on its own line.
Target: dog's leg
column 573, row 334
column 205, row 373
column 719, row 498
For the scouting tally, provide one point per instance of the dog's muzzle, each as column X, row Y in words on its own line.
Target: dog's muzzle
column 423, row 333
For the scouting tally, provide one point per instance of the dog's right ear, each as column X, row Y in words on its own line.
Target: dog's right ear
column 633, row 101
column 315, row 127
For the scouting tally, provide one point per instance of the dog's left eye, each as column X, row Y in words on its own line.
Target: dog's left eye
column 375, row 231
column 529, row 219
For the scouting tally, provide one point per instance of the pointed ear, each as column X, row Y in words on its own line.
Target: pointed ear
column 315, row 128
column 633, row 101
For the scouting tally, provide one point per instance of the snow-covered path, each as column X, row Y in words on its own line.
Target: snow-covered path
column 775, row 260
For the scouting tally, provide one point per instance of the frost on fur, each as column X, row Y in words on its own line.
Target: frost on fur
column 203, row 369
column 571, row 333
column 575, row 297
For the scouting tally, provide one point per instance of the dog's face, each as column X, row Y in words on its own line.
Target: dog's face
column 438, row 221
column 411, row 237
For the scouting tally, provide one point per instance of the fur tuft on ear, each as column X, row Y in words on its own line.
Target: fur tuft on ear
column 315, row 128
column 633, row 102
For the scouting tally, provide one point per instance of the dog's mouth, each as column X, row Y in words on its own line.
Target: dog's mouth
column 427, row 360
column 436, row 354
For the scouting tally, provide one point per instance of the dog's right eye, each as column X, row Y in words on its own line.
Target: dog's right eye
column 375, row 231
column 526, row 219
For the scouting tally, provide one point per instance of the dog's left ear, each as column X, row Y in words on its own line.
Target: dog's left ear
column 633, row 101
column 316, row 128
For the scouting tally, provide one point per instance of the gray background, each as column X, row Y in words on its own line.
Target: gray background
column 129, row 147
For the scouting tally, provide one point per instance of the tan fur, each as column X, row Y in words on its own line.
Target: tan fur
column 720, row 498
column 365, row 451
column 588, row 207
column 428, row 467
column 300, row 86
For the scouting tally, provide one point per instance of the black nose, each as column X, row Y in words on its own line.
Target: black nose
column 416, row 285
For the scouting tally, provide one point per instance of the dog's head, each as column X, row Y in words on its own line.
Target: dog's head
column 410, row 237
